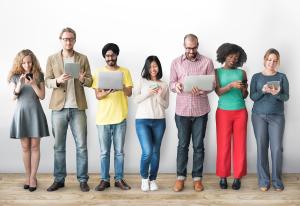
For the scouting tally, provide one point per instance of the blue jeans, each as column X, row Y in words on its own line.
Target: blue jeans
column 107, row 134
column 77, row 120
column 150, row 133
column 268, row 129
column 190, row 127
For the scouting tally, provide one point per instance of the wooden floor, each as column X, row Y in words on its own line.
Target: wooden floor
column 12, row 193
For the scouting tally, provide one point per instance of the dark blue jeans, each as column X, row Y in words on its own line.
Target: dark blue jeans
column 150, row 133
column 190, row 127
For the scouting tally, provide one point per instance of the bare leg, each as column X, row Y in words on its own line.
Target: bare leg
column 35, row 160
column 26, row 144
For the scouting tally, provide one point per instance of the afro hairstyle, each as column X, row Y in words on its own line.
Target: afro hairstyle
column 226, row 49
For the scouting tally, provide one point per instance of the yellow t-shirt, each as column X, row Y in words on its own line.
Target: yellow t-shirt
column 113, row 109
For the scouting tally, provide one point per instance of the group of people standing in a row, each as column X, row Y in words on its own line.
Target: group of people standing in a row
column 68, row 104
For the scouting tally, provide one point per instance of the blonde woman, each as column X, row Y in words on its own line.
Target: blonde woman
column 269, row 90
column 29, row 122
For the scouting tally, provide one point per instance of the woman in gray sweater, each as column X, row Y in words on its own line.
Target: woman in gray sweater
column 269, row 90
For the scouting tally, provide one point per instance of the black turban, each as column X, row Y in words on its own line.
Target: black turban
column 110, row 46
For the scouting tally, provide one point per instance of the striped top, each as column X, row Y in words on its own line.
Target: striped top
column 186, row 103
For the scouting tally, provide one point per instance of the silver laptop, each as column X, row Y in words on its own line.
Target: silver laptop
column 72, row 69
column 110, row 80
column 203, row 82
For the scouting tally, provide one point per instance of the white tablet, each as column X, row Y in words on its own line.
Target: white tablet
column 72, row 69
column 110, row 80
column 203, row 82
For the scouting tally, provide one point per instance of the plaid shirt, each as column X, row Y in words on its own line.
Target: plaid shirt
column 186, row 103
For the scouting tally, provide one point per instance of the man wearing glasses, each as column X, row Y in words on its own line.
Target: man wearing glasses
column 191, row 111
column 111, row 118
column 68, row 104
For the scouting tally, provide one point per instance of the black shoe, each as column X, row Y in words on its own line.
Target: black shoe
column 26, row 187
column 236, row 185
column 31, row 189
column 84, row 187
column 102, row 185
column 223, row 183
column 55, row 186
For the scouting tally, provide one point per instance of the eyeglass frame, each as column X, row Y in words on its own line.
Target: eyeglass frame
column 68, row 39
column 191, row 49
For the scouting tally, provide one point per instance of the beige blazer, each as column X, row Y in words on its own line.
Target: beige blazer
column 54, row 69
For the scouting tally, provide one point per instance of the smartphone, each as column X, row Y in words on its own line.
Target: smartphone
column 154, row 86
column 29, row 76
column 244, row 82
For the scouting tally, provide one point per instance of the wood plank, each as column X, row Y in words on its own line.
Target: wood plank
column 12, row 192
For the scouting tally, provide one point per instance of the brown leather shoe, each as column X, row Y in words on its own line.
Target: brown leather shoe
column 102, row 185
column 179, row 185
column 84, row 187
column 122, row 185
column 198, row 187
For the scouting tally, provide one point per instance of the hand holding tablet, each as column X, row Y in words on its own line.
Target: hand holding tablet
column 273, row 84
column 72, row 69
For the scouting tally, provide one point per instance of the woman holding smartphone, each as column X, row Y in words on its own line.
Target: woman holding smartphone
column 152, row 97
column 29, row 122
column 269, row 90
column 231, row 115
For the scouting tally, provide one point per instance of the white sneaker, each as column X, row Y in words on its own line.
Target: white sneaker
column 145, row 185
column 153, row 185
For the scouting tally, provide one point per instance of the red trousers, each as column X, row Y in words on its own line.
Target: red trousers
column 231, row 129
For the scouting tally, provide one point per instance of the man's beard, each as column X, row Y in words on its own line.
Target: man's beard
column 191, row 56
column 111, row 63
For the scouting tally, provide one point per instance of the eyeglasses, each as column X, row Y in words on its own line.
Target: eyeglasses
column 110, row 55
column 68, row 39
column 191, row 49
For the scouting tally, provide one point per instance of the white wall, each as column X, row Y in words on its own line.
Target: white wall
column 142, row 28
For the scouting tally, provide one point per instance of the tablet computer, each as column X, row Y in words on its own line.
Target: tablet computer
column 110, row 80
column 72, row 69
column 273, row 84
column 203, row 82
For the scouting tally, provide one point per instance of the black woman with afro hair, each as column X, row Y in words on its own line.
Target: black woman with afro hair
column 231, row 115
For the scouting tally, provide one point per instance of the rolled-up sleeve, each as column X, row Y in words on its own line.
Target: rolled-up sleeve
column 173, row 77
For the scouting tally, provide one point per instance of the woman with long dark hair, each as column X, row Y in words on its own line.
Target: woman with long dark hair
column 152, row 97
